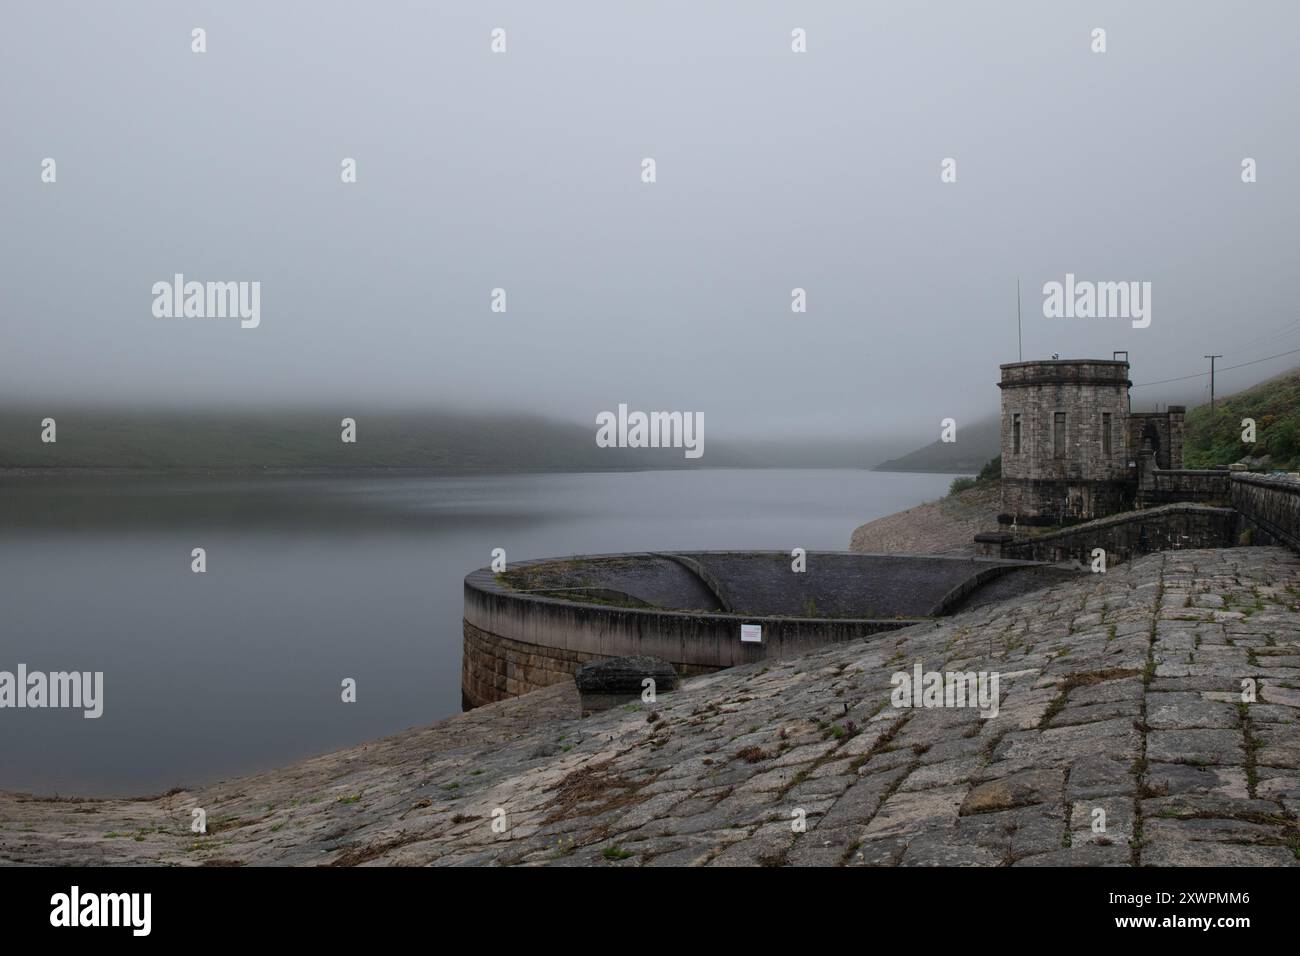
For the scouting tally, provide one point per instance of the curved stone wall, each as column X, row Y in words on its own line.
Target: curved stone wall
column 535, row 625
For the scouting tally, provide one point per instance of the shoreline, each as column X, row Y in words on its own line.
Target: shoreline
column 947, row 525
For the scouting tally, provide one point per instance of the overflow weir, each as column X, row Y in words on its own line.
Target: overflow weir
column 538, row 622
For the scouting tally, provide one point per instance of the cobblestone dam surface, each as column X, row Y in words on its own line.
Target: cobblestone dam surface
column 1120, row 700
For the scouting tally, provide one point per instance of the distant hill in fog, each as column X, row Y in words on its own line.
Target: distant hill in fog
column 451, row 442
column 976, row 443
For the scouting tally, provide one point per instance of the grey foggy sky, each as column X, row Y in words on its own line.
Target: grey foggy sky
column 521, row 170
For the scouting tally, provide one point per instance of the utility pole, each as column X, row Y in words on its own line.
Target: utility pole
column 1212, row 358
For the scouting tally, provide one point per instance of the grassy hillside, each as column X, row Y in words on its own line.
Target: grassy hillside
column 1215, row 439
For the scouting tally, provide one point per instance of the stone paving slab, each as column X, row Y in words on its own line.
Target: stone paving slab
column 1121, row 738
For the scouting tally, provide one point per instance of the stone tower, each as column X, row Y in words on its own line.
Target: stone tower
column 1066, row 439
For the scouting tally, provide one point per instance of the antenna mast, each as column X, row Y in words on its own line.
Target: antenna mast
column 1020, row 341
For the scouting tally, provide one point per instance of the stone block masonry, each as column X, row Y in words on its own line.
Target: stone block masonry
column 1265, row 510
column 1205, row 486
column 1272, row 505
column 495, row 668
column 1125, row 536
column 1064, row 438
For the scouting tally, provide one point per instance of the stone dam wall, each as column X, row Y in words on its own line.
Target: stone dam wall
column 1204, row 486
column 1245, row 509
column 1270, row 506
column 1125, row 536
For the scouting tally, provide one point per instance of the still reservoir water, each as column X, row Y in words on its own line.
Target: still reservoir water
column 313, row 579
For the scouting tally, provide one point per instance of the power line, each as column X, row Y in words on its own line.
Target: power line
column 1257, row 361
column 1229, row 368
column 1267, row 337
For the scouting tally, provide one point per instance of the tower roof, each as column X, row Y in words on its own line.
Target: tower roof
column 1080, row 371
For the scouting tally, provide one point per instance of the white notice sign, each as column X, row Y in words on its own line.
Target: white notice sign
column 751, row 633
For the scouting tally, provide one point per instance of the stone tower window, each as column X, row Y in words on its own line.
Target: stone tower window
column 1105, row 434
column 1058, row 435
column 1015, row 433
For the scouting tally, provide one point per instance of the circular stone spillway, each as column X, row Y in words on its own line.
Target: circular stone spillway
column 538, row 622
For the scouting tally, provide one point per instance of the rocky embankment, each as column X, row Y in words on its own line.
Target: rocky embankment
column 1120, row 738
column 946, row 526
